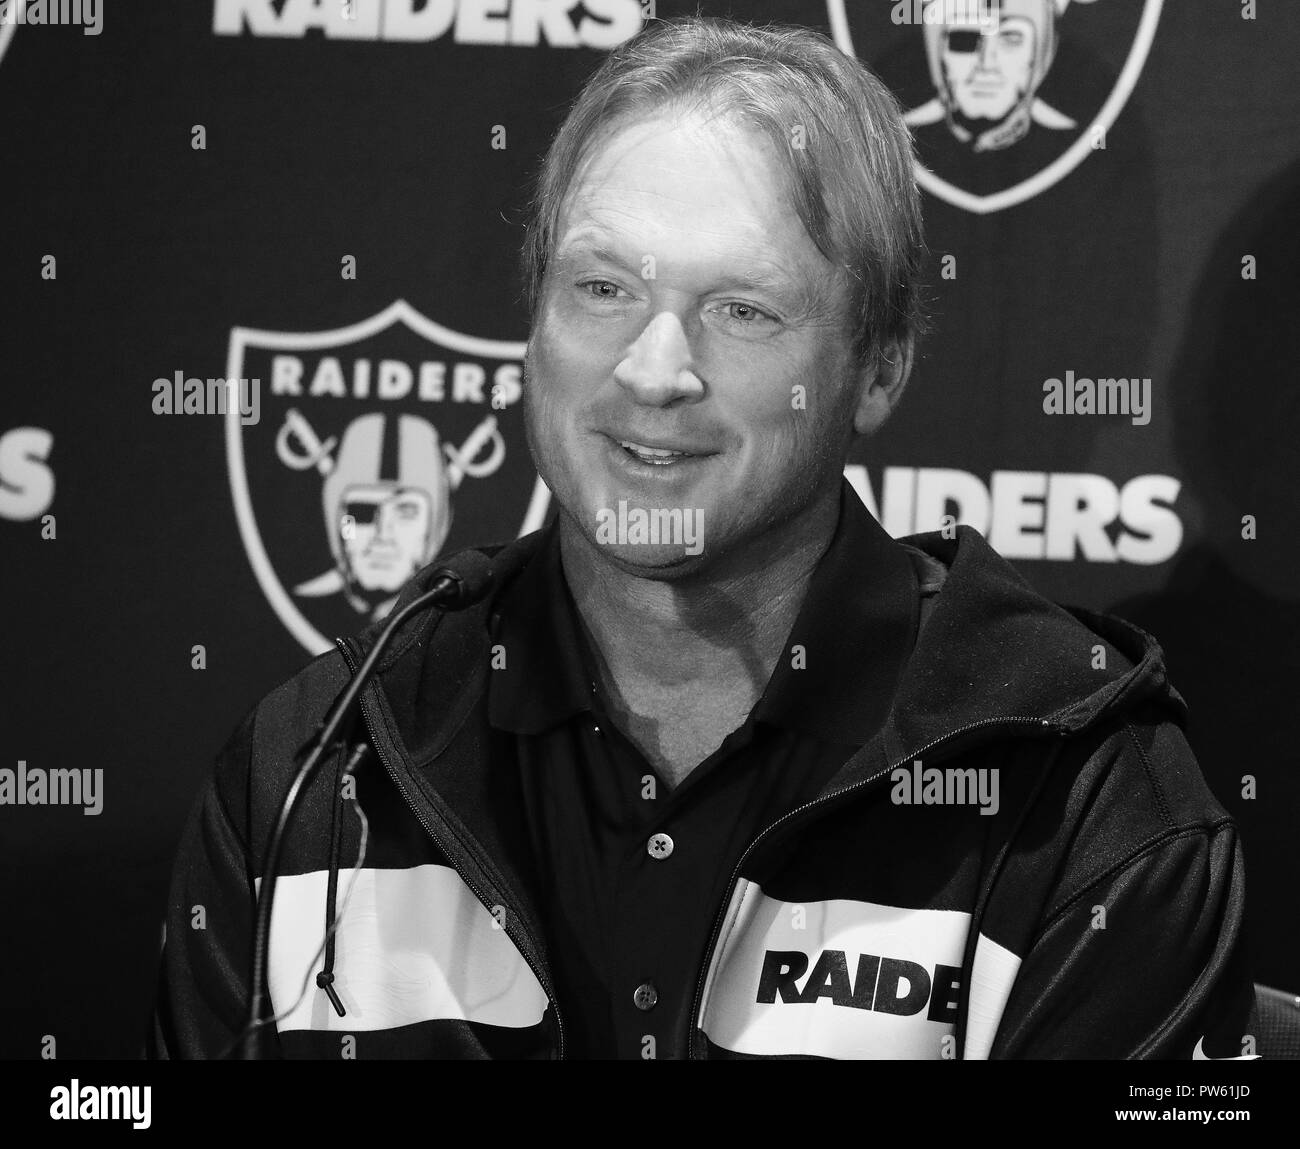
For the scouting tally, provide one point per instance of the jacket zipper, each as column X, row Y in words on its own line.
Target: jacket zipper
column 523, row 942
column 696, row 1003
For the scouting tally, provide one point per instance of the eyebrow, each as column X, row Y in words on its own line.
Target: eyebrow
column 791, row 290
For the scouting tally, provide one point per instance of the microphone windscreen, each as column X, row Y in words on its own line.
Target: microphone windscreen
column 474, row 576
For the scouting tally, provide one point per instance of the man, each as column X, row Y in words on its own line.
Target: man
column 801, row 791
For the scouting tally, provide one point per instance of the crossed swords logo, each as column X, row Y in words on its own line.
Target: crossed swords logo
column 300, row 448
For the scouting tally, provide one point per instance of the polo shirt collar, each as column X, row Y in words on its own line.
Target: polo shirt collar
column 835, row 678
column 545, row 679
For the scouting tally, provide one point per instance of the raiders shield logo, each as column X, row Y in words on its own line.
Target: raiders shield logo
column 1004, row 97
column 377, row 447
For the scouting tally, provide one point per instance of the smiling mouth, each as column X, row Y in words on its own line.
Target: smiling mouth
column 656, row 456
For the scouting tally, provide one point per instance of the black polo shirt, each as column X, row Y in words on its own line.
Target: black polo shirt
column 631, row 873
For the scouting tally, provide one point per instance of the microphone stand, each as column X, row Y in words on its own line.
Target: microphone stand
column 450, row 587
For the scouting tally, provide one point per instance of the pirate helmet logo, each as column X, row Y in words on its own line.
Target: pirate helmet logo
column 382, row 530
column 987, row 65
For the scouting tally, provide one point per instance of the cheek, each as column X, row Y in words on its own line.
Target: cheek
column 786, row 443
column 781, row 396
column 411, row 532
column 810, row 435
column 564, row 367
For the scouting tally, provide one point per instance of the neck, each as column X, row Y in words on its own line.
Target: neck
column 727, row 625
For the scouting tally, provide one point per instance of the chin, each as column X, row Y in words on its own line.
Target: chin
column 387, row 583
column 662, row 563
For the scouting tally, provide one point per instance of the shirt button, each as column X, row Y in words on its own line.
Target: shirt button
column 659, row 846
column 645, row 997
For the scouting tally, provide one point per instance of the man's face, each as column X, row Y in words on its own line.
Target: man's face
column 989, row 70
column 685, row 308
column 384, row 534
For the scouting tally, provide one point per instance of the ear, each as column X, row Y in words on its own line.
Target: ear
column 881, row 385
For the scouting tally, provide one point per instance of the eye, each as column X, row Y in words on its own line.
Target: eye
column 361, row 514
column 746, row 317
column 600, row 285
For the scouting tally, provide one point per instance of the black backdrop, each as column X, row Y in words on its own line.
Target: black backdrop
column 320, row 145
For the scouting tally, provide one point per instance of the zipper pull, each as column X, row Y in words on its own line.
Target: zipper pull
column 325, row 981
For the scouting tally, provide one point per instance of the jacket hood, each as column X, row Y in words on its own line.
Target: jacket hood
column 993, row 647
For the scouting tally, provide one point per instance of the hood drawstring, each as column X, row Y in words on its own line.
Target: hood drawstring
column 346, row 766
column 982, row 903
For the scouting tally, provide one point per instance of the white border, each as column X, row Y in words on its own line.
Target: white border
column 1063, row 165
column 397, row 312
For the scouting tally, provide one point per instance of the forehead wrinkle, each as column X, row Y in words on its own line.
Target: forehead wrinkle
column 663, row 212
column 758, row 182
column 749, row 270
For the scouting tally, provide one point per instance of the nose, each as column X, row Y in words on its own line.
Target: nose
column 988, row 50
column 385, row 518
column 657, row 369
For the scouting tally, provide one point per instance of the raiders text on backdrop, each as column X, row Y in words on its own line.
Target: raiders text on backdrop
column 26, row 479
column 521, row 23
column 1033, row 514
column 395, row 379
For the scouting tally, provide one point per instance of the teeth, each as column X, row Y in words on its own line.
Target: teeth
column 651, row 454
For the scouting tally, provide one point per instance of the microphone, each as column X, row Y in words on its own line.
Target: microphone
column 453, row 588
column 470, row 580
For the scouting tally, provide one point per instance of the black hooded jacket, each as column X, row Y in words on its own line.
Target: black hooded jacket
column 1095, row 913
